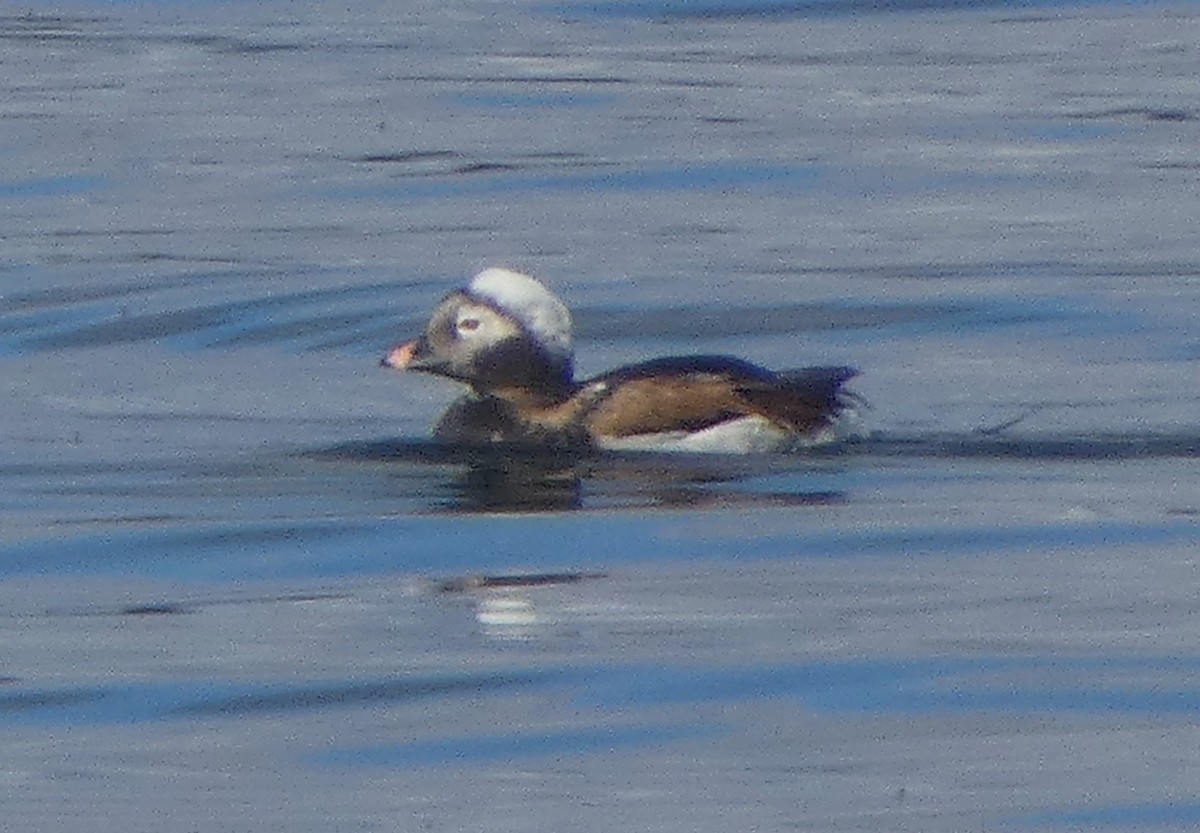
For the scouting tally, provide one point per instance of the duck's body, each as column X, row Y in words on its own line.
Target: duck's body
column 508, row 338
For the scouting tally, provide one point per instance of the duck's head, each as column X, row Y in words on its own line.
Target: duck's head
column 504, row 334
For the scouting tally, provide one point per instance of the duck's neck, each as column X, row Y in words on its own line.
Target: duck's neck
column 526, row 375
column 553, row 419
column 531, row 399
column 541, row 396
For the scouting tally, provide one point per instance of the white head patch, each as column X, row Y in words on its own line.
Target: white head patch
column 526, row 300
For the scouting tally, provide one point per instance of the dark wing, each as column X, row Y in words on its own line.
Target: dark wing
column 817, row 376
column 804, row 400
column 686, row 366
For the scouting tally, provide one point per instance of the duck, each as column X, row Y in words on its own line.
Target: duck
column 507, row 338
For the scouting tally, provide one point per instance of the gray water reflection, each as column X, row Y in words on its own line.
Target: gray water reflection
column 291, row 547
column 1116, row 817
column 138, row 704
column 1107, row 686
column 226, row 603
column 360, row 483
column 772, row 9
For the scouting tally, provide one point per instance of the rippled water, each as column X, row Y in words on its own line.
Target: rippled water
column 240, row 589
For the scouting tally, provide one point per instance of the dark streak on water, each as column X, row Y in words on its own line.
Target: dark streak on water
column 910, row 686
column 138, row 704
column 471, row 584
column 976, row 446
column 62, row 318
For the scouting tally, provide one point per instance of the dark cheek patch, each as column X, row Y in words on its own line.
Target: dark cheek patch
column 517, row 363
column 507, row 361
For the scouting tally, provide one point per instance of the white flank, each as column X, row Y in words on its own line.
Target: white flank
column 526, row 300
column 748, row 435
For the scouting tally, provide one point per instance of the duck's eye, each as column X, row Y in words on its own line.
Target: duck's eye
column 468, row 325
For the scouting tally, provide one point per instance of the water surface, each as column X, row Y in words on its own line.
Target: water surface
column 241, row 589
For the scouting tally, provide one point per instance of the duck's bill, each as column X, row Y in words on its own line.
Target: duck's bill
column 402, row 356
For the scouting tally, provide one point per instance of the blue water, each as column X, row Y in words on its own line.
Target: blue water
column 56, row 186
column 512, row 747
column 241, row 588
column 894, row 686
column 299, row 549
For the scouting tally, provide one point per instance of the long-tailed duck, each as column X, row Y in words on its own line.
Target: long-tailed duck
column 509, row 339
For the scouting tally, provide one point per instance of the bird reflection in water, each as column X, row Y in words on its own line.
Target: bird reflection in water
column 512, row 480
column 516, row 480
column 504, row 605
column 459, row 479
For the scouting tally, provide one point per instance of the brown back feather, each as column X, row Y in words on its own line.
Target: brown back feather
column 654, row 405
